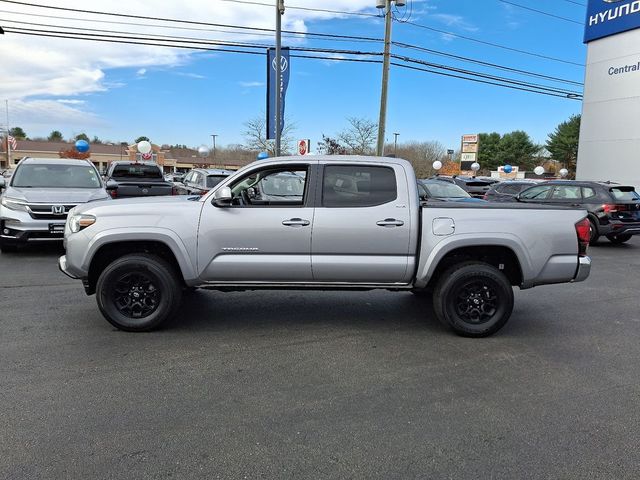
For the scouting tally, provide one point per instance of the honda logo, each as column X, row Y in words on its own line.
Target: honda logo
column 57, row 209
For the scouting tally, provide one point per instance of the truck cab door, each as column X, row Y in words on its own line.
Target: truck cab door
column 265, row 234
column 362, row 229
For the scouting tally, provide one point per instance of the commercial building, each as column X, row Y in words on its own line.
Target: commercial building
column 610, row 130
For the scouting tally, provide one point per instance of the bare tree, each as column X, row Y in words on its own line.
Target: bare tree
column 360, row 137
column 255, row 137
column 421, row 155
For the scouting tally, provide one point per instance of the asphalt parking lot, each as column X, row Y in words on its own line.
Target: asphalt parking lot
column 320, row 385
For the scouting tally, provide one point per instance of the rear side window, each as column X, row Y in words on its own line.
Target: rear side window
column 358, row 186
column 588, row 193
column 566, row 192
column 510, row 189
column 624, row 194
column 213, row 180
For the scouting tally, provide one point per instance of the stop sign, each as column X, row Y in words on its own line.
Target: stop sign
column 302, row 147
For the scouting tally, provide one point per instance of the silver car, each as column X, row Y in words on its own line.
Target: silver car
column 35, row 202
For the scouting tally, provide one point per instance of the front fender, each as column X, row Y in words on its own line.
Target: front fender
column 115, row 235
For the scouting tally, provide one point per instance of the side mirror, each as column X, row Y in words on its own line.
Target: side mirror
column 111, row 185
column 222, row 197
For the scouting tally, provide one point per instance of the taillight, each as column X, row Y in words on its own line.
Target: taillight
column 583, row 231
column 608, row 208
column 113, row 193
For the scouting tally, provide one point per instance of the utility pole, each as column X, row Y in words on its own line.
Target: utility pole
column 278, row 67
column 395, row 144
column 6, row 102
column 213, row 136
column 382, row 123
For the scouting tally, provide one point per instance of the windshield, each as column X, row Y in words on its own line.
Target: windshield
column 56, row 176
column 625, row 194
column 444, row 190
column 213, row 180
column 285, row 184
column 136, row 170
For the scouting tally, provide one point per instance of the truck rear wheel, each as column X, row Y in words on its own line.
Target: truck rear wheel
column 475, row 299
column 138, row 292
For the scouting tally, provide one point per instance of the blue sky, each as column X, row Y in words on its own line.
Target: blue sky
column 182, row 98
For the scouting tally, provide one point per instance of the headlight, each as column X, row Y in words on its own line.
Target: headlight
column 79, row 222
column 14, row 204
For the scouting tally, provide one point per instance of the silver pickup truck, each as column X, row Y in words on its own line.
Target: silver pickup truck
column 321, row 223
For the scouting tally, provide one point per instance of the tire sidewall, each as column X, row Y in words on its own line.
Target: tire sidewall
column 163, row 280
column 455, row 279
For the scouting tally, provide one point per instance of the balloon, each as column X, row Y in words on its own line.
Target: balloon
column 203, row 151
column 538, row 170
column 564, row 172
column 144, row 147
column 508, row 169
column 475, row 166
column 82, row 146
column 263, row 156
column 437, row 165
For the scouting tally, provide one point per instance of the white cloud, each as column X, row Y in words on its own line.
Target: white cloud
column 190, row 75
column 37, row 67
column 251, row 84
column 38, row 113
column 457, row 21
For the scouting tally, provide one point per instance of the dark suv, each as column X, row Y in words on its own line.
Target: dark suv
column 508, row 190
column 474, row 186
column 614, row 210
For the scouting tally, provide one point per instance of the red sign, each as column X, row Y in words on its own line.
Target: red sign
column 303, row 147
column 147, row 156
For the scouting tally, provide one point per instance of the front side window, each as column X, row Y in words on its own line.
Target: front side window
column 271, row 187
column 536, row 193
column 56, row 176
column 358, row 186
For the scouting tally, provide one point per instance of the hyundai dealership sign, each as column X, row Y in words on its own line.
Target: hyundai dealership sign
column 608, row 17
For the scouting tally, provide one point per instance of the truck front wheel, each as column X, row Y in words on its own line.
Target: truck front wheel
column 138, row 292
column 475, row 299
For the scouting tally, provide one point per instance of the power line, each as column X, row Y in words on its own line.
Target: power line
column 497, row 45
column 561, row 95
column 193, row 22
column 542, row 12
column 309, row 9
column 497, row 81
column 488, row 64
column 320, row 36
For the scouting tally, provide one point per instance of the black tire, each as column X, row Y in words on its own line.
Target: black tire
column 475, row 299
column 138, row 292
column 618, row 239
column 594, row 235
column 6, row 247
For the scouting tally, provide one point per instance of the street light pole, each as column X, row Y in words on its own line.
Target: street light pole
column 395, row 144
column 385, row 78
column 213, row 136
column 278, row 67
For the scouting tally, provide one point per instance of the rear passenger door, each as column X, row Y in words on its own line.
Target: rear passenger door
column 362, row 225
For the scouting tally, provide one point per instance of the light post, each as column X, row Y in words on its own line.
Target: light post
column 213, row 136
column 395, row 144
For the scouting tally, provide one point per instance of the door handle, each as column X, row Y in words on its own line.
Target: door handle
column 296, row 222
column 390, row 222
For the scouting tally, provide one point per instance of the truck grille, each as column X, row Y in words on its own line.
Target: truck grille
column 49, row 211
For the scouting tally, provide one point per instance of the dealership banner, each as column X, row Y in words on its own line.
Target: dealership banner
column 608, row 17
column 273, row 89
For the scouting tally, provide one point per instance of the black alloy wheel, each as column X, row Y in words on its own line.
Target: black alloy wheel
column 475, row 299
column 138, row 292
column 619, row 239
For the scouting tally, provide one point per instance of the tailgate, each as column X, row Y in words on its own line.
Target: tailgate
column 143, row 189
